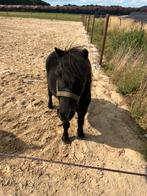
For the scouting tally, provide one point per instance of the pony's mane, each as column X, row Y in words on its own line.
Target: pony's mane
column 74, row 64
column 74, row 49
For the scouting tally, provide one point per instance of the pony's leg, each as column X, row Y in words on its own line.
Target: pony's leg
column 50, row 103
column 81, row 116
column 65, row 137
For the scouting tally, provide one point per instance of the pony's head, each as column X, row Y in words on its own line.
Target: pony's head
column 71, row 74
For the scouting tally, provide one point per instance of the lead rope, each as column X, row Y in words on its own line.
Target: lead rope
column 6, row 155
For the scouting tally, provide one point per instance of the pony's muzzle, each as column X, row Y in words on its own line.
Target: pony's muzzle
column 66, row 117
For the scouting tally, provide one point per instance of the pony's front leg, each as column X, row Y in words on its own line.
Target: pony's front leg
column 81, row 116
column 50, row 103
column 65, row 137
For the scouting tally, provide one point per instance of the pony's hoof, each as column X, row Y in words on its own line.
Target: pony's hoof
column 50, row 106
column 81, row 135
column 65, row 140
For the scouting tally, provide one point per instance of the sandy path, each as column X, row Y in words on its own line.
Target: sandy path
column 29, row 128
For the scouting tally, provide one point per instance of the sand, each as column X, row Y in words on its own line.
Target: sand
column 28, row 127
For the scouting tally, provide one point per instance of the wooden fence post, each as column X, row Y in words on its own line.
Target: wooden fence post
column 7, row 12
column 84, row 20
column 84, row 17
column 110, row 21
column 120, row 20
column 141, row 24
column 92, row 30
column 88, row 23
column 104, row 39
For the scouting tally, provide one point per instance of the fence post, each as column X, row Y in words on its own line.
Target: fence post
column 7, row 13
column 104, row 38
column 88, row 23
column 92, row 30
column 88, row 28
column 120, row 20
column 110, row 21
column 84, row 20
column 141, row 24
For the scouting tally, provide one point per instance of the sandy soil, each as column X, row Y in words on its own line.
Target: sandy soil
column 29, row 128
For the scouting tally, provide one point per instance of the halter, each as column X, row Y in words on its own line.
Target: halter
column 67, row 93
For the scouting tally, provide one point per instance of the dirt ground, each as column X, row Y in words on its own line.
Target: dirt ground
column 28, row 127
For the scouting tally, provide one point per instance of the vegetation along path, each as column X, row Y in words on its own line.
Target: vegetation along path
column 27, row 127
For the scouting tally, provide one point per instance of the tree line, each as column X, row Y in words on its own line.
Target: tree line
column 23, row 2
column 97, row 10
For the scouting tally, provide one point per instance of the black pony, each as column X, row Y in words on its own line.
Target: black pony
column 69, row 79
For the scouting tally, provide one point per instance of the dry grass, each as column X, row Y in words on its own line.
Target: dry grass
column 125, row 23
column 126, row 63
column 139, row 103
column 129, row 71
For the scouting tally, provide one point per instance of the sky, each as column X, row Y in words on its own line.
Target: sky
column 125, row 3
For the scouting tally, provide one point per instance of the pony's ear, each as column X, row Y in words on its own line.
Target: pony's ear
column 85, row 53
column 59, row 52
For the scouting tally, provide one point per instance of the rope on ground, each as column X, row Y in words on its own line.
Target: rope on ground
column 70, row 164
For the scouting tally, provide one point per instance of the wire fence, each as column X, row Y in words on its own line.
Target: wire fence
column 4, row 155
column 99, row 28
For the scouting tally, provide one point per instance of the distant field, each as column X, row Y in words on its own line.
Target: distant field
column 52, row 16
column 126, row 23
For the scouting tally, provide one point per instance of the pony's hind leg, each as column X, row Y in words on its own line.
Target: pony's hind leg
column 65, row 137
column 50, row 103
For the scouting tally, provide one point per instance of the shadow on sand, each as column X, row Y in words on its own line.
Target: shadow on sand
column 114, row 126
column 10, row 144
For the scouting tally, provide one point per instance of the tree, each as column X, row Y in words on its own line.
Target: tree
column 23, row 2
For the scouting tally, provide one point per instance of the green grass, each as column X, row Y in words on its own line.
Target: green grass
column 129, row 81
column 98, row 33
column 135, row 38
column 132, row 41
column 51, row 16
